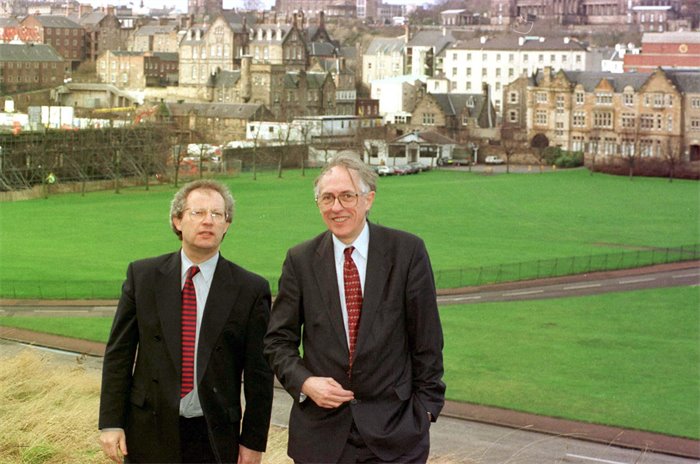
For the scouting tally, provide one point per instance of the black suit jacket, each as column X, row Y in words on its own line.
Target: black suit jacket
column 397, row 372
column 142, row 363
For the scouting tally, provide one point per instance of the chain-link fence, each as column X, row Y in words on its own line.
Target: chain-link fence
column 453, row 278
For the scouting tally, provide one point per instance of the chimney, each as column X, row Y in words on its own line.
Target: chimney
column 245, row 78
column 406, row 31
column 321, row 20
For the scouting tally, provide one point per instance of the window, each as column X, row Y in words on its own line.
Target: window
column 483, row 72
column 454, row 72
column 541, row 97
column 628, row 99
column 695, row 103
column 628, row 121
column 560, row 103
column 559, row 129
column 498, row 72
column 646, row 121
column 658, row 100
column 541, row 118
column 540, row 58
column 429, row 118
column 695, row 124
column 603, row 98
column 469, row 56
column 498, row 57
column 511, row 58
column 578, row 119
column 513, row 116
column 469, row 72
column 602, row 119
column 579, row 98
column 577, row 143
column 511, row 72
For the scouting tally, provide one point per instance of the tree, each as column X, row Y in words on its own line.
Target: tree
column 540, row 142
column 673, row 155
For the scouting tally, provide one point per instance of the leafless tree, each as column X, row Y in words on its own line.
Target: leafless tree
column 673, row 155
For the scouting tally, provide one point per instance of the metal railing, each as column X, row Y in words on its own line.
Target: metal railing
column 451, row 278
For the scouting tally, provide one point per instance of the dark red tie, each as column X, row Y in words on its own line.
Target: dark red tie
column 353, row 298
column 189, row 331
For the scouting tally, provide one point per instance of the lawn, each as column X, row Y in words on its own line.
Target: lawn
column 627, row 359
column 79, row 246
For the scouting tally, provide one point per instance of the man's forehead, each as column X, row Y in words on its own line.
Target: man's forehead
column 205, row 192
column 339, row 174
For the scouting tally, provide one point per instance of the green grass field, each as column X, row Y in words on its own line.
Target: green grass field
column 625, row 359
column 74, row 246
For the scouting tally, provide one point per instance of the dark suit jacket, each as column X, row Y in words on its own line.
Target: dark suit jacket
column 397, row 372
column 142, row 365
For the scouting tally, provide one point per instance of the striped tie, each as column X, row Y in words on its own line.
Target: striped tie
column 189, row 331
column 353, row 299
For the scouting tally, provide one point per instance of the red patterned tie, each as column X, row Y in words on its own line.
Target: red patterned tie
column 189, row 331
column 353, row 298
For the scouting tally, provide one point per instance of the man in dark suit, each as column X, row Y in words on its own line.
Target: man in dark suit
column 369, row 381
column 188, row 327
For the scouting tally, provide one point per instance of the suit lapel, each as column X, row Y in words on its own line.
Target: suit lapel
column 327, row 280
column 169, row 306
column 378, row 271
column 222, row 298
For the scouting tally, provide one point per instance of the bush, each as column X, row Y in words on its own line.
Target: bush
column 572, row 159
column 648, row 167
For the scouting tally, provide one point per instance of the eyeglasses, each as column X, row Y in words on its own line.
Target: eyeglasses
column 346, row 199
column 200, row 214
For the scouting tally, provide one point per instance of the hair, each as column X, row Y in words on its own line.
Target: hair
column 177, row 206
column 368, row 178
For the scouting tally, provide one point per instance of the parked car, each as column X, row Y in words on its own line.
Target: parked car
column 385, row 171
column 402, row 169
column 493, row 160
column 453, row 162
column 419, row 167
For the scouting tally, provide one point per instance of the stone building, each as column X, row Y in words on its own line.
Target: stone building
column 607, row 115
column 102, row 32
column 137, row 70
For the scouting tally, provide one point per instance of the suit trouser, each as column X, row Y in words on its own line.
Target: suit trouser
column 356, row 451
column 194, row 441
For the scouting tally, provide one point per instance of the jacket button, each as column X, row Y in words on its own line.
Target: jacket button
column 216, row 390
column 354, row 401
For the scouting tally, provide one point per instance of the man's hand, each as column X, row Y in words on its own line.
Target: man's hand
column 248, row 456
column 114, row 444
column 326, row 392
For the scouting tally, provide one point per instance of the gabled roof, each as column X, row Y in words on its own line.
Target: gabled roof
column 215, row 110
column 429, row 137
column 314, row 80
column 385, row 45
column 671, row 37
column 91, row 19
column 436, row 39
column 8, row 22
column 227, row 78
column 321, row 49
column 154, row 29
column 454, row 104
column 29, row 53
column 57, row 21
column 590, row 80
column 687, row 81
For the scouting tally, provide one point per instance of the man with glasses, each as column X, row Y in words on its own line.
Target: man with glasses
column 360, row 299
column 189, row 327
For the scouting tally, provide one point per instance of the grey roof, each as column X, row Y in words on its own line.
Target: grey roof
column 57, row 21
column 590, row 79
column 321, row 49
column 91, row 19
column 687, row 81
column 8, row 22
column 385, row 45
column 227, row 78
column 215, row 110
column 436, row 39
column 512, row 42
column 314, row 80
column 156, row 29
column 453, row 104
column 29, row 53
column 431, row 137
column 671, row 37
column 167, row 56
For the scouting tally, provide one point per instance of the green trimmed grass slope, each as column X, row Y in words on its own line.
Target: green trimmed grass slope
column 74, row 246
column 629, row 359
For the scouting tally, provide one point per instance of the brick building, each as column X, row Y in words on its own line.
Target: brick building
column 666, row 49
column 27, row 67
column 65, row 36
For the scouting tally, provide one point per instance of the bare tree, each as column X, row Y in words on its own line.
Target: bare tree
column 540, row 142
column 673, row 155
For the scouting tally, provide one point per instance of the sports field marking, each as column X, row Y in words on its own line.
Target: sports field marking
column 586, row 458
column 578, row 287
column 684, row 276
column 529, row 292
column 635, row 281
column 462, row 298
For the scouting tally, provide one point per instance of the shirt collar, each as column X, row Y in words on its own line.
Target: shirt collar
column 361, row 244
column 206, row 268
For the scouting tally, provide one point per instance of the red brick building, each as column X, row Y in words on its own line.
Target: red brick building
column 65, row 36
column 665, row 49
column 27, row 67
